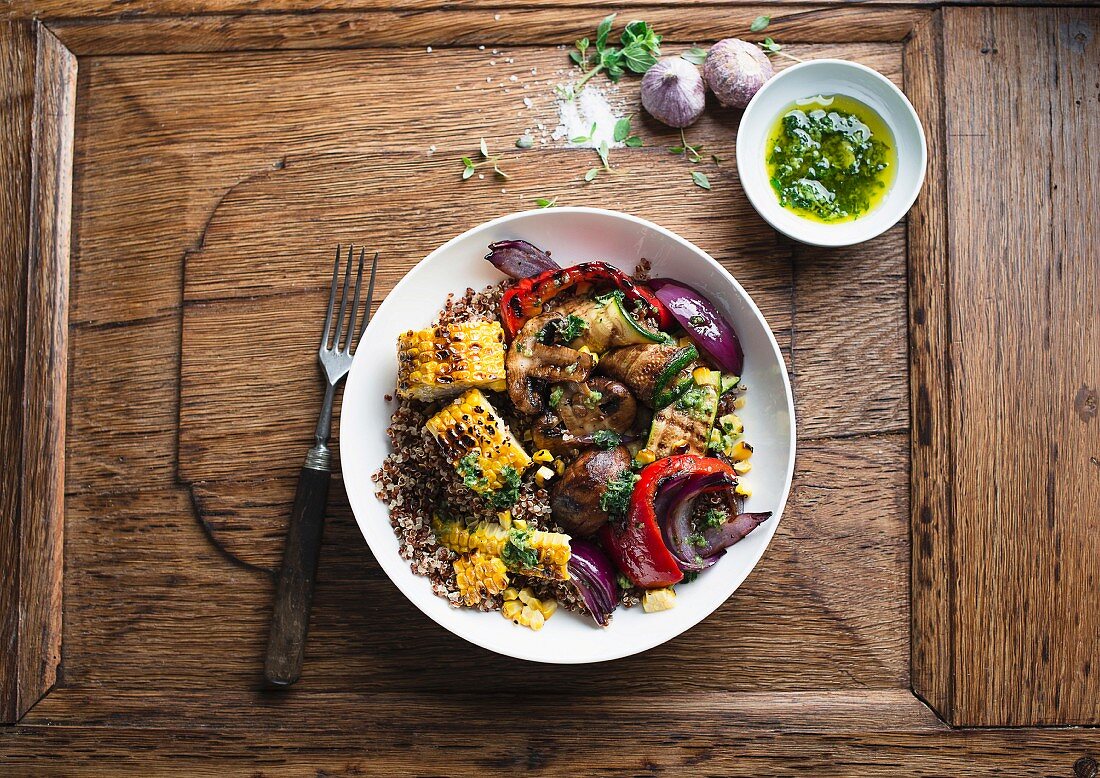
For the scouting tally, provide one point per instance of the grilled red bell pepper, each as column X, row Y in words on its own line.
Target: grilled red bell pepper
column 529, row 295
column 636, row 544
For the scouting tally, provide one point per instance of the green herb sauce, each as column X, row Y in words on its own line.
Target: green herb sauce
column 830, row 158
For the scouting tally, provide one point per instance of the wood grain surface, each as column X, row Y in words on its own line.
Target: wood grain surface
column 180, row 472
column 32, row 426
column 1025, row 382
column 17, row 61
column 54, row 10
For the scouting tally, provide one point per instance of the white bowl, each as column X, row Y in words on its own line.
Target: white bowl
column 573, row 235
column 831, row 77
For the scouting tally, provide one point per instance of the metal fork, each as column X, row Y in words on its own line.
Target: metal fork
column 294, row 592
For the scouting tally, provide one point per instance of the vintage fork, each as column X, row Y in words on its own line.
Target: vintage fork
column 294, row 592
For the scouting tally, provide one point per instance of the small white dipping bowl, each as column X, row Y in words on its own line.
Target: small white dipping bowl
column 831, row 77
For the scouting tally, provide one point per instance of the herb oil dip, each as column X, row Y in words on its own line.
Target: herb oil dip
column 830, row 158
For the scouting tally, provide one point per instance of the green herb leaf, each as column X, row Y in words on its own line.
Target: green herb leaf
column 675, row 149
column 505, row 497
column 556, row 395
column 622, row 129
column 603, row 30
column 467, row 172
column 571, row 328
column 517, row 553
column 641, row 34
column 576, row 57
column 623, row 582
column 580, row 139
column 591, row 174
column 470, row 471
column 616, row 499
column 606, row 438
column 695, row 55
column 760, row 23
column 638, row 59
column 484, row 149
column 771, row 46
column 603, row 152
column 467, row 162
column 633, row 141
column 700, row 179
column 715, row 518
column 524, row 142
column 542, row 202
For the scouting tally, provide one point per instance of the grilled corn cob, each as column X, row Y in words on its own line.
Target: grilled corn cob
column 521, row 550
column 480, row 446
column 444, row 360
column 479, row 576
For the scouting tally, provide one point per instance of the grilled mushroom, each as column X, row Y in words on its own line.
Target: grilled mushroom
column 530, row 360
column 575, row 501
column 596, row 404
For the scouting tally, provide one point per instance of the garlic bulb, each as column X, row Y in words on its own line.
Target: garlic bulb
column 673, row 92
column 735, row 70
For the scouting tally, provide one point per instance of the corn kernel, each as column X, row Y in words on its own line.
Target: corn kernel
column 542, row 456
column 532, row 618
column 742, row 489
column 654, row 600
column 510, row 594
column 742, row 467
column 704, row 376
column 543, row 474
column 519, row 523
column 527, row 596
column 739, row 403
column 741, row 451
column 559, row 467
column 548, row 608
column 505, row 519
column 512, row 609
column 646, row 456
column 590, row 352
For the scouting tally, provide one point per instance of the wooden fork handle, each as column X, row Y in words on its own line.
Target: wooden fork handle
column 294, row 591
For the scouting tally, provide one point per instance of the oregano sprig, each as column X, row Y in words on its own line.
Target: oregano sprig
column 469, row 167
column 638, row 50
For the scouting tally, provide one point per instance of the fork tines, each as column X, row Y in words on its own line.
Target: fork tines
column 345, row 318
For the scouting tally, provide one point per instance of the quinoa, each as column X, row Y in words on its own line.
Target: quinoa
column 413, row 486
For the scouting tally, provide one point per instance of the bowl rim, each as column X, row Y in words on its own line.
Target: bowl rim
column 359, row 490
column 846, row 233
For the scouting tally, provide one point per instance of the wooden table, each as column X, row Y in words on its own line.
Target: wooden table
column 174, row 176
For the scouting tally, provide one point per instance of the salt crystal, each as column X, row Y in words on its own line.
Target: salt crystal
column 527, row 102
column 590, row 116
column 488, row 79
column 481, row 175
column 496, row 17
column 481, row 48
column 534, row 71
column 513, row 78
column 429, row 49
column 431, row 149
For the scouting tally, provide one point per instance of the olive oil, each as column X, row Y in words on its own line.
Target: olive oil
column 830, row 158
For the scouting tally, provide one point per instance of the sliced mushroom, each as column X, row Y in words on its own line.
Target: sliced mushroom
column 596, row 404
column 530, row 360
column 575, row 501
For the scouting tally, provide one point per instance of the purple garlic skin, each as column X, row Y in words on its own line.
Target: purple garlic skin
column 735, row 71
column 673, row 92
